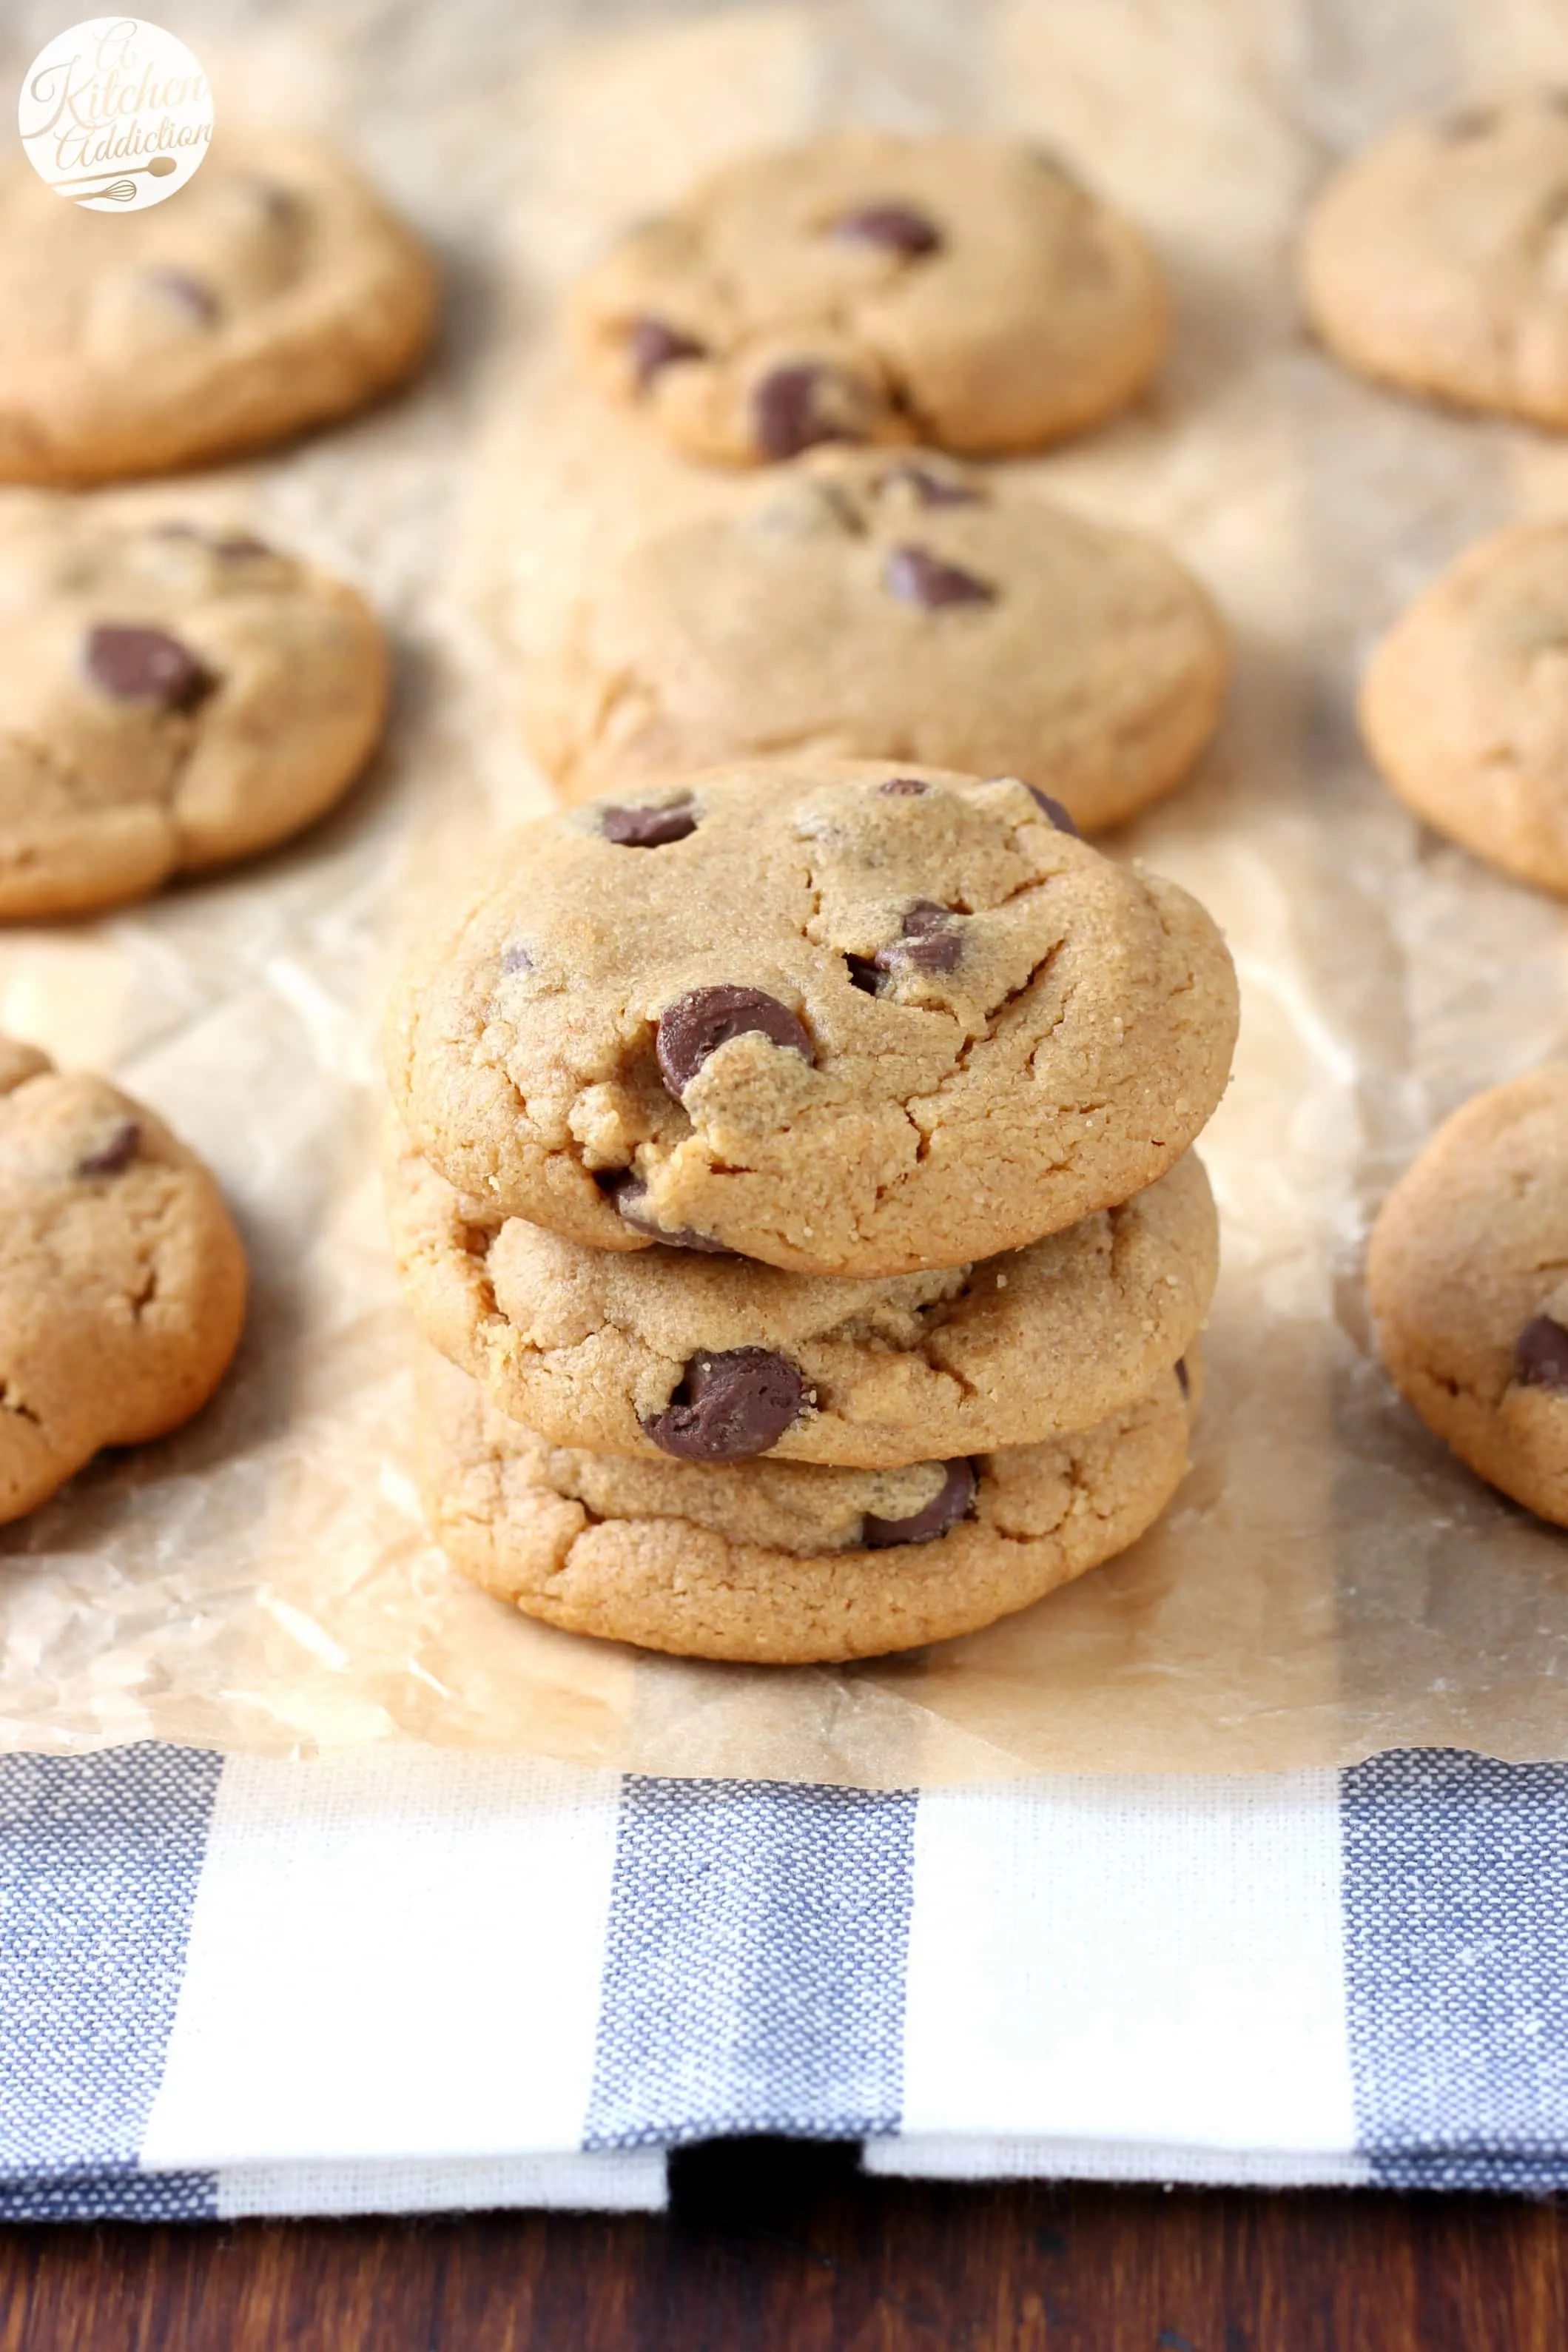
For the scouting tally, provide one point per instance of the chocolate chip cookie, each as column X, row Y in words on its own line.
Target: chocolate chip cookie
column 170, row 699
column 965, row 291
column 274, row 293
column 865, row 604
column 775, row 1562
column 1465, row 705
column 1468, row 1279
column 1438, row 259
column 121, row 1277
column 847, row 1018
column 716, row 1358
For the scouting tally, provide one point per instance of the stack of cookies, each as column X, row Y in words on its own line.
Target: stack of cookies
column 792, row 1168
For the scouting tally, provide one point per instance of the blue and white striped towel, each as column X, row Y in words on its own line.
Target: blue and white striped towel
column 409, row 1980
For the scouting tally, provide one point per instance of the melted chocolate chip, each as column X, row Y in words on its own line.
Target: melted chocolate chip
column 953, row 1500
column 896, row 228
column 649, row 828
column 933, row 489
column 654, row 345
column 190, row 294
column 792, row 409
column 729, row 1407
column 630, row 1194
column 697, row 1025
column 918, row 577
column 1060, row 818
column 1541, row 1355
column 903, row 787
column 137, row 664
column 115, row 1154
column 864, row 973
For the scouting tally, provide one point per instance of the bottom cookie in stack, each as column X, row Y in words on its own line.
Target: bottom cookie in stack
column 783, row 1563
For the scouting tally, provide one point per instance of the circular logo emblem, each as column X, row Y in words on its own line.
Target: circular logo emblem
column 115, row 114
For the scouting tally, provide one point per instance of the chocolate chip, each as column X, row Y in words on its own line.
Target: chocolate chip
column 1184, row 1378
column 953, row 1500
column 649, row 828
column 1541, row 1355
column 232, row 545
column 792, row 408
column 654, row 345
column 729, row 1407
column 1047, row 159
column 626, row 1189
column 137, row 664
column 189, row 294
column 896, row 228
column 918, row 577
column 516, row 959
column 697, row 1025
column 903, row 787
column 933, row 489
column 937, row 952
column 117, row 1153
column 1468, row 122
column 1060, row 817
column 278, row 203
column 928, row 944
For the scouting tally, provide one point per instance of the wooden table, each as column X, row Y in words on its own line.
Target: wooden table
column 776, row 2247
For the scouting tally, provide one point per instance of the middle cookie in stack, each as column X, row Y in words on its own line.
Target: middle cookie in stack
column 795, row 1158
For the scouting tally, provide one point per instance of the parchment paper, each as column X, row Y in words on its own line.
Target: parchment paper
column 1329, row 1581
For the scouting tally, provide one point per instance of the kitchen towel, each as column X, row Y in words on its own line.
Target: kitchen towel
column 418, row 1979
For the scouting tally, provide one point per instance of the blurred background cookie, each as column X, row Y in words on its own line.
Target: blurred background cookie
column 1465, row 703
column 1468, row 1279
column 123, row 1279
column 959, row 290
column 276, row 291
column 1438, row 259
column 877, row 605
column 171, row 699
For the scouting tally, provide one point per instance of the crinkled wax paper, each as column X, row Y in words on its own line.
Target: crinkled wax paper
column 1328, row 1581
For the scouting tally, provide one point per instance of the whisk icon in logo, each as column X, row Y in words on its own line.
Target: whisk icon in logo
column 115, row 114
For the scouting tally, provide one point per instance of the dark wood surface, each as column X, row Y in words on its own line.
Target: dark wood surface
column 780, row 2249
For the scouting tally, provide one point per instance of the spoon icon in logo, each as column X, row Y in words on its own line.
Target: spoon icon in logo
column 118, row 187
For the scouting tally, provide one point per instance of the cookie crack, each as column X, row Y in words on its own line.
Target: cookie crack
column 12, row 1401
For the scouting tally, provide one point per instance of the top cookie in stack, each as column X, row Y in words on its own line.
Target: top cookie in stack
column 888, row 1031
column 848, row 1019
